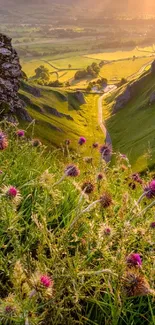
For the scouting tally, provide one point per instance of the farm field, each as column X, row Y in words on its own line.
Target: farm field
column 113, row 72
column 115, row 54
column 123, row 69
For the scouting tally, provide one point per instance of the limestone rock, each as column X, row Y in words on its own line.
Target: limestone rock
column 80, row 97
column 10, row 74
column 130, row 91
column 153, row 67
column 152, row 98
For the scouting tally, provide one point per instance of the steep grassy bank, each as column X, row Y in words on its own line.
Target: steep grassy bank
column 132, row 128
column 60, row 115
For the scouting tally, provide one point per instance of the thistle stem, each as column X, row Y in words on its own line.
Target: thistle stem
column 90, row 206
column 139, row 200
column 147, row 208
column 98, row 272
column 83, row 211
column 61, row 180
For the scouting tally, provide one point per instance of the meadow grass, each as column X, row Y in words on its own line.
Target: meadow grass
column 59, row 265
column 132, row 128
column 84, row 117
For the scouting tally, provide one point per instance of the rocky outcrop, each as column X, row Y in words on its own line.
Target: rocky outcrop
column 31, row 89
column 152, row 98
column 56, row 113
column 10, row 74
column 80, row 97
column 153, row 67
column 129, row 93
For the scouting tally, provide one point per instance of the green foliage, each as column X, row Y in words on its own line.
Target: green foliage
column 47, row 234
column 42, row 73
column 92, row 70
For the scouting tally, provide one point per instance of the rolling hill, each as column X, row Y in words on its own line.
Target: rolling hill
column 62, row 115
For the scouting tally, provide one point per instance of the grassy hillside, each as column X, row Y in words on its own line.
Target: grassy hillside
column 78, row 120
column 132, row 129
column 66, row 260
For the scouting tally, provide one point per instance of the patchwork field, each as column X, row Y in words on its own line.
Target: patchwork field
column 67, row 67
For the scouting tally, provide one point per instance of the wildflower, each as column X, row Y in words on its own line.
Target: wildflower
column 9, row 309
column 88, row 187
column 67, row 142
column 137, row 178
column 134, row 260
column 95, row 145
column 20, row 133
column 36, row 143
column 105, row 200
column 134, row 284
column 72, row 171
column 152, row 225
column 46, row 281
column 99, row 176
column 12, row 193
column 3, row 141
column 106, row 152
column 123, row 156
column 107, row 231
column 81, row 141
column 149, row 190
column 1, row 172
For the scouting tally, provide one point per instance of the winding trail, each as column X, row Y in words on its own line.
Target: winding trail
column 108, row 140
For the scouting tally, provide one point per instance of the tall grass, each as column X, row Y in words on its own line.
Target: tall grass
column 86, row 264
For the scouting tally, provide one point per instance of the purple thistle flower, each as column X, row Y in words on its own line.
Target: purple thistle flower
column 134, row 260
column 46, row 281
column 123, row 156
column 9, row 309
column 152, row 225
column 12, row 192
column 99, row 176
column 20, row 133
column 72, row 171
column 137, row 178
column 95, row 145
column 105, row 200
column 107, row 231
column 150, row 190
column 88, row 187
column 106, row 152
column 81, row 141
column 3, row 141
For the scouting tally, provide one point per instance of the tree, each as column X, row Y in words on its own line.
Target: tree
column 69, row 66
column 42, row 73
